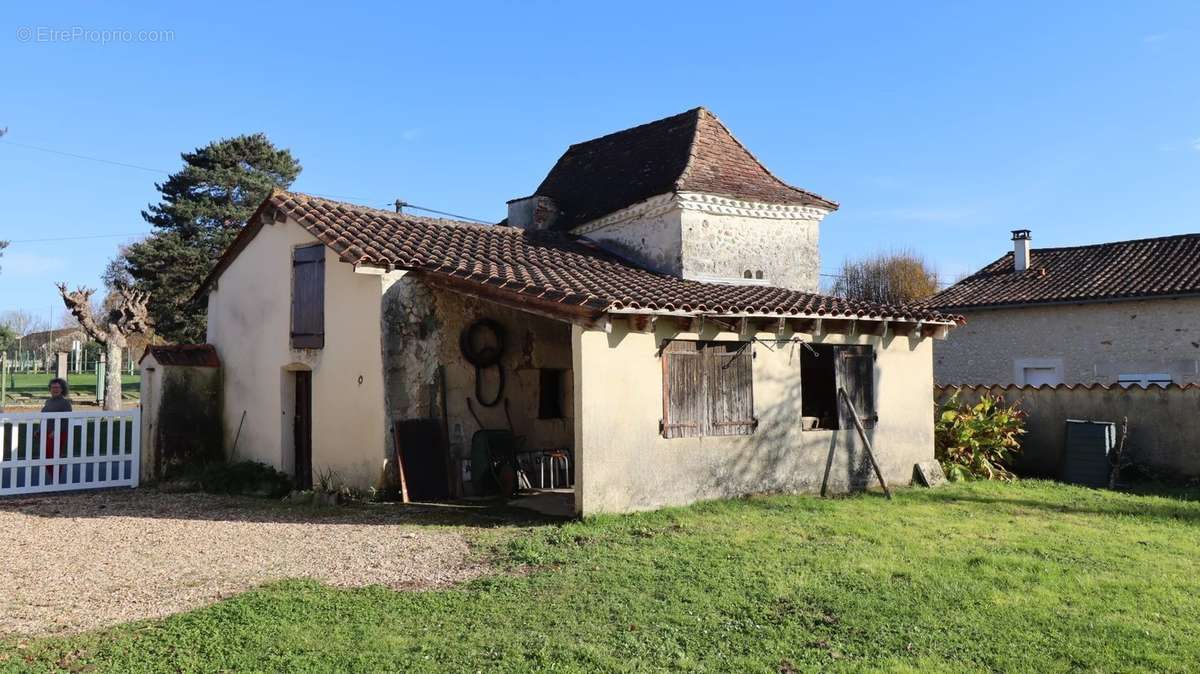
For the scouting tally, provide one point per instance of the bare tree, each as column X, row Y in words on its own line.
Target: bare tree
column 126, row 316
column 887, row 278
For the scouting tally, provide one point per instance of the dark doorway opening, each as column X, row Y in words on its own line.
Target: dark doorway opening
column 818, row 387
column 302, row 430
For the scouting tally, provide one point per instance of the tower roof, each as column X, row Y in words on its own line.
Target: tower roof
column 688, row 152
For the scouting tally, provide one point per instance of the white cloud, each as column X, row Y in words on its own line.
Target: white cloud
column 411, row 134
column 16, row 263
column 1195, row 144
column 1154, row 38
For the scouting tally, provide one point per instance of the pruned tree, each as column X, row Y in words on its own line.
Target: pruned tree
column 126, row 316
column 887, row 278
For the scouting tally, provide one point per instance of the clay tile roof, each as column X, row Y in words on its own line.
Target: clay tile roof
column 689, row 152
column 1140, row 268
column 188, row 355
column 552, row 267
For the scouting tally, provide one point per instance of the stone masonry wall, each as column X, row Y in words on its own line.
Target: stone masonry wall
column 725, row 246
column 1093, row 342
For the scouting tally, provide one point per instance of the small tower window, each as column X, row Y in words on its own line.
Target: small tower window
column 758, row 274
column 747, row 274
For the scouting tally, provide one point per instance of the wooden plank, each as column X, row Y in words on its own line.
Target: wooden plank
column 684, row 413
column 862, row 434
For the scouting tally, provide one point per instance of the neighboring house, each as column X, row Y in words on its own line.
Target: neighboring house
column 659, row 328
column 1112, row 313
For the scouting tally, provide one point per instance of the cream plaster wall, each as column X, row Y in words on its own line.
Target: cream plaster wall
column 1094, row 342
column 249, row 316
column 653, row 241
column 623, row 463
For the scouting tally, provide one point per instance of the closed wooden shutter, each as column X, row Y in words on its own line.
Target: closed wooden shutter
column 729, row 371
column 708, row 389
column 856, row 374
column 308, row 297
column 683, row 389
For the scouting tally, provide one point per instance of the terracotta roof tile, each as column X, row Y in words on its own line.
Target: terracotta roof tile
column 1108, row 271
column 554, row 266
column 691, row 152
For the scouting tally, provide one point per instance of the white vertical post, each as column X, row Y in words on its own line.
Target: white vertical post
column 136, row 450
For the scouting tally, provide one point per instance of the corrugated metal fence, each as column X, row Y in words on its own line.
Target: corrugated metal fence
column 47, row 452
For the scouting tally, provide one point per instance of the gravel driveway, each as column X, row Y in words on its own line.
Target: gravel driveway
column 81, row 561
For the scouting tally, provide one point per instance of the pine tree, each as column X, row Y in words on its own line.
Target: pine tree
column 202, row 209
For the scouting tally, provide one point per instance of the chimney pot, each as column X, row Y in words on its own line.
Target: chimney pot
column 1021, row 248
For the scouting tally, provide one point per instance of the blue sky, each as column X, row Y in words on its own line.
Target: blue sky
column 939, row 127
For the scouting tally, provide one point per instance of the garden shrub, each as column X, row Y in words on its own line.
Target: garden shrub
column 980, row 440
column 248, row 478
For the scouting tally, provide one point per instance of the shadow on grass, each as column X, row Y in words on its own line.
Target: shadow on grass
column 148, row 503
column 1177, row 505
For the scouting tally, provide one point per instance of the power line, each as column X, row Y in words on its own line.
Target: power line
column 84, row 157
column 155, row 170
column 398, row 204
column 79, row 238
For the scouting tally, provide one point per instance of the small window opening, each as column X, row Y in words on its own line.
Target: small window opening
column 827, row 368
column 818, row 388
column 747, row 274
column 550, row 393
column 758, row 274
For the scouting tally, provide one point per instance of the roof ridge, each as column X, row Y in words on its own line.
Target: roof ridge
column 1165, row 237
column 392, row 214
column 597, row 139
column 691, row 156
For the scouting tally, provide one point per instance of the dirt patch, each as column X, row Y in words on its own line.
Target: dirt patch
column 82, row 561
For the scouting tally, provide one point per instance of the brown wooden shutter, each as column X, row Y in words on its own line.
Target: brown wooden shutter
column 683, row 389
column 729, row 370
column 308, row 297
column 856, row 374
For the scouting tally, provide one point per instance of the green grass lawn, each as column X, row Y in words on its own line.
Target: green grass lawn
column 82, row 385
column 972, row 577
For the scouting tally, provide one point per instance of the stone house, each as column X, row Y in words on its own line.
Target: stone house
column 647, row 317
column 1126, row 313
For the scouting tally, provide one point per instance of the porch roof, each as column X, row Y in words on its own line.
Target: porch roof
column 556, row 270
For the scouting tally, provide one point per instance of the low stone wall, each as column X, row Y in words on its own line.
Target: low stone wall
column 1164, row 423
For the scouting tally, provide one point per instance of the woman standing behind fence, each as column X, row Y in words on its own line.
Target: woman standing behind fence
column 58, row 402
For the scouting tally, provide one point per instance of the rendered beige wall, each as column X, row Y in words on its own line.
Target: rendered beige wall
column 249, row 318
column 623, row 463
column 1094, row 342
column 1164, row 424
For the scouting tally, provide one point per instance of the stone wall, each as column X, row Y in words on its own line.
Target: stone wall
column 1164, row 423
column 706, row 237
column 781, row 253
column 1089, row 343
column 422, row 326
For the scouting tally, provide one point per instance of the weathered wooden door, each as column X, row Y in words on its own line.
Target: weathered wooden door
column 302, row 427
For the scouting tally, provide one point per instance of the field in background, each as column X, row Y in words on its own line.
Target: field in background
column 26, row 389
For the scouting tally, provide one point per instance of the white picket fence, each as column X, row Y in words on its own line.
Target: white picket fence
column 64, row 451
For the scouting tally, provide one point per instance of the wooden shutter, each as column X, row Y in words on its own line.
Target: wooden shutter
column 856, row 374
column 729, row 371
column 308, row 297
column 683, row 389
